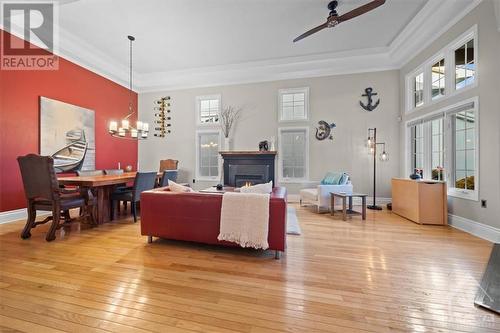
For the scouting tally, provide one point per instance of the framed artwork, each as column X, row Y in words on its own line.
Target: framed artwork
column 67, row 133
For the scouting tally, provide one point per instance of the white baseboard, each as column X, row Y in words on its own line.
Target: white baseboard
column 475, row 228
column 18, row 214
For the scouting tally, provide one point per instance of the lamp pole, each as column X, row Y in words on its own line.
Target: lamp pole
column 372, row 143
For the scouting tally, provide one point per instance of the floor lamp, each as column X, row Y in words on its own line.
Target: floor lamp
column 372, row 144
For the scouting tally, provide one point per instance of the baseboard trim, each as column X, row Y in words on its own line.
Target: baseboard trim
column 18, row 214
column 475, row 228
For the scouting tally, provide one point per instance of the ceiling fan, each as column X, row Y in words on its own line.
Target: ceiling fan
column 334, row 19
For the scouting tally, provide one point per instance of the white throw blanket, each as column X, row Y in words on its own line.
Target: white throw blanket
column 244, row 219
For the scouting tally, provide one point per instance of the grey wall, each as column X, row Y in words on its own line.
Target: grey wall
column 333, row 98
column 488, row 91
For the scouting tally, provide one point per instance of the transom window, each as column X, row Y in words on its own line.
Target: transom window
column 438, row 79
column 207, row 155
column 293, row 153
column 208, row 109
column 293, row 104
column 418, row 90
column 465, row 67
column 449, row 72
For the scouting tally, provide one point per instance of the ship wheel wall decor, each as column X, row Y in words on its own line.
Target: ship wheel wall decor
column 162, row 122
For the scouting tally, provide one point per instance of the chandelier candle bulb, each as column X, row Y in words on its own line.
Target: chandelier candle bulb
column 139, row 125
column 125, row 124
column 121, row 131
column 113, row 126
column 133, row 133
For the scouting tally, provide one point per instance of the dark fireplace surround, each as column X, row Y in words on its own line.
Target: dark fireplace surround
column 253, row 167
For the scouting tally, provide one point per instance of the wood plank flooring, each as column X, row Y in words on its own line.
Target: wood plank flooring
column 383, row 275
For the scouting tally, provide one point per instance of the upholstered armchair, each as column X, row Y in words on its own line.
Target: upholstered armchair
column 319, row 196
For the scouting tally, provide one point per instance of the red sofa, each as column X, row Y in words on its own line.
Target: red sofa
column 195, row 217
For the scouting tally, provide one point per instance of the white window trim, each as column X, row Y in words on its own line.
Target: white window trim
column 452, row 191
column 281, row 179
column 448, row 52
column 198, row 177
column 281, row 92
column 198, row 99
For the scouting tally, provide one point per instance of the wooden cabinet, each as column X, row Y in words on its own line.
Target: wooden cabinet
column 422, row 201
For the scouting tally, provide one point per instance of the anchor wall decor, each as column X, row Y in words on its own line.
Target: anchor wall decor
column 324, row 130
column 368, row 94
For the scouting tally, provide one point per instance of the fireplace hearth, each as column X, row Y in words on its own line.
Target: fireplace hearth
column 248, row 167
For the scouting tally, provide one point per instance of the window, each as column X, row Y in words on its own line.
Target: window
column 463, row 126
column 417, row 148
column 445, row 146
column 293, row 153
column 437, row 149
column 438, row 79
column 208, row 109
column 207, row 155
column 418, row 90
column 465, row 67
column 293, row 104
column 449, row 72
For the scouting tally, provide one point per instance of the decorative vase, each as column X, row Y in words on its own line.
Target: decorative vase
column 227, row 144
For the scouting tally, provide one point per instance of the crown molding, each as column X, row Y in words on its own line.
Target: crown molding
column 496, row 3
column 421, row 31
column 426, row 27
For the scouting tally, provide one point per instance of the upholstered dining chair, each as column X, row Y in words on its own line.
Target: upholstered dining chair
column 113, row 171
column 166, row 176
column 169, row 165
column 143, row 181
column 42, row 192
column 85, row 173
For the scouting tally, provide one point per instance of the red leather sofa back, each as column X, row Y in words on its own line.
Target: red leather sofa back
column 196, row 216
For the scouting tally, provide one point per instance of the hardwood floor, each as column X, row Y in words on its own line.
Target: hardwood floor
column 383, row 275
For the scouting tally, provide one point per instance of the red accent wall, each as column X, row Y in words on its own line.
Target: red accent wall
column 20, row 92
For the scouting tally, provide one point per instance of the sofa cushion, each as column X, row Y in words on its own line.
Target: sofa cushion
column 174, row 187
column 265, row 188
column 309, row 194
column 332, row 178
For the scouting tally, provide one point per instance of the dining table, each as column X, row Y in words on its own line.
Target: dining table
column 101, row 186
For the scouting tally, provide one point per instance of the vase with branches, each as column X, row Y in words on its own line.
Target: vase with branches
column 228, row 117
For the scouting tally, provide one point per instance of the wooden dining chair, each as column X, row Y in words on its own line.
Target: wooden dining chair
column 42, row 192
column 169, row 165
column 143, row 181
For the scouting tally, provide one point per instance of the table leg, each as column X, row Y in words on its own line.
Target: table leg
column 350, row 204
column 332, row 205
column 103, row 204
column 363, row 211
column 344, row 208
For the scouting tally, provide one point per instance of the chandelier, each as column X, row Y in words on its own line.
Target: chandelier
column 126, row 130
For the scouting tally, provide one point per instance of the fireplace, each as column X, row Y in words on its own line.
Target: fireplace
column 248, row 168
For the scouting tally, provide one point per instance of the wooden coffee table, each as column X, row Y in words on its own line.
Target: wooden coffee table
column 350, row 211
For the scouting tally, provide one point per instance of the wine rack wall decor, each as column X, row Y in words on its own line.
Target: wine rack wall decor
column 162, row 122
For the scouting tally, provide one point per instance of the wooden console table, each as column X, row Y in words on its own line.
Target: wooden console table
column 421, row 201
column 350, row 211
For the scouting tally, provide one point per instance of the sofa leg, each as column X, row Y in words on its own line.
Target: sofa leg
column 277, row 254
column 150, row 239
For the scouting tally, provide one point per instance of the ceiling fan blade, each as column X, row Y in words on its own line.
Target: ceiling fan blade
column 312, row 31
column 360, row 10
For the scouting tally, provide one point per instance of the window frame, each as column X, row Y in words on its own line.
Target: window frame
column 282, row 179
column 448, row 152
column 281, row 92
column 198, row 176
column 448, row 54
column 198, row 100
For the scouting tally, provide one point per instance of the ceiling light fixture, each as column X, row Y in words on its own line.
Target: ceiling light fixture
column 126, row 131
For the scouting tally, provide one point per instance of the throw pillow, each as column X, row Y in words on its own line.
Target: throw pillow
column 259, row 188
column 332, row 178
column 174, row 187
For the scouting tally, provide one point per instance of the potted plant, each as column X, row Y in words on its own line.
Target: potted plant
column 228, row 117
